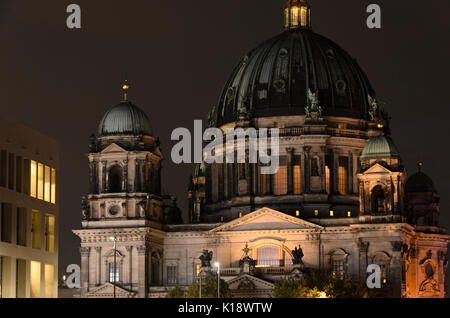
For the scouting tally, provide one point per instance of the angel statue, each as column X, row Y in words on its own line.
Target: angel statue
column 206, row 258
column 373, row 108
column 313, row 110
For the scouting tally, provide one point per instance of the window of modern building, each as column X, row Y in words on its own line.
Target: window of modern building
column 21, row 226
column 297, row 180
column 33, row 178
column 19, row 173
column 343, row 177
column 53, row 186
column 280, row 181
column 47, row 175
column 36, row 229
column 6, row 222
column 49, row 233
column 35, row 279
column 268, row 255
column 11, row 162
column 40, row 182
column 21, row 278
column 3, row 165
column 49, row 271
column 27, row 176
column 114, row 274
column 171, row 275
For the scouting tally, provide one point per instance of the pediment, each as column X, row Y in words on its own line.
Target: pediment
column 266, row 219
column 113, row 148
column 107, row 291
column 247, row 282
column 377, row 168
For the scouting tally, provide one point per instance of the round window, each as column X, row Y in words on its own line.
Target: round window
column 114, row 210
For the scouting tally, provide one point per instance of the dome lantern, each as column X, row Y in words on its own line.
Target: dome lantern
column 297, row 14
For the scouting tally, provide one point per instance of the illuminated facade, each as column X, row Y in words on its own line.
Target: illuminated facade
column 341, row 191
column 29, row 165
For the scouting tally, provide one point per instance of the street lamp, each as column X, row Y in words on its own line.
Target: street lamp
column 217, row 264
column 113, row 238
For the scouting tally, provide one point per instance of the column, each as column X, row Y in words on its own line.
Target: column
column 290, row 170
column 91, row 177
column 104, row 177
column 363, row 249
column 350, row 173
column 335, row 171
column 142, row 272
column 323, row 183
column 142, row 175
column 125, row 175
column 84, row 251
column 98, row 250
column 306, row 165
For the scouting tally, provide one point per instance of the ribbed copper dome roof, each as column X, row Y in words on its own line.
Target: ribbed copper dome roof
column 124, row 119
column 274, row 78
column 380, row 147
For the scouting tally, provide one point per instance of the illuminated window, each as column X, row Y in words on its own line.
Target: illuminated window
column 280, row 178
column 268, row 255
column 297, row 180
column 342, row 175
column 40, row 184
column 49, row 233
column 297, row 213
column 342, row 126
column 33, row 178
column 53, row 190
column 286, row 18
column 47, row 183
column 240, row 214
column 338, row 267
column 327, row 180
column 171, row 275
column 114, row 273
column 36, row 229
column 221, row 219
column 349, row 214
column 35, row 279
column 331, row 213
column 49, row 271
column 316, row 212
column 294, row 16
column 304, row 16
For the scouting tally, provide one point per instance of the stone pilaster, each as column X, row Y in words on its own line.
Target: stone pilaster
column 142, row 270
column 363, row 261
column 84, row 251
column 290, row 170
column 129, row 279
column 98, row 250
column 306, row 175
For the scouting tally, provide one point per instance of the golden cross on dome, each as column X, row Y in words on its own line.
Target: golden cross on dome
column 125, row 88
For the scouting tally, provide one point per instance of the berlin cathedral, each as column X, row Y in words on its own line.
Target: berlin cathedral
column 341, row 195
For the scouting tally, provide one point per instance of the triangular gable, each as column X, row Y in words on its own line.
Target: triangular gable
column 107, row 291
column 377, row 168
column 248, row 282
column 266, row 219
column 113, row 148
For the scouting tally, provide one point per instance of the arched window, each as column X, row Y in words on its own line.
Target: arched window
column 378, row 200
column 114, row 273
column 268, row 255
column 383, row 260
column 115, row 177
column 338, row 262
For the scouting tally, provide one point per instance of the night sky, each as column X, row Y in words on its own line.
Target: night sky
column 177, row 56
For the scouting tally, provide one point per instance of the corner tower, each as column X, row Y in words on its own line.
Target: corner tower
column 122, row 216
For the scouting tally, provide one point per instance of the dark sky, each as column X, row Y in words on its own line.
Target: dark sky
column 177, row 56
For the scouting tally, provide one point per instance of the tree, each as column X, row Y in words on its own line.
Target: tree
column 209, row 287
column 320, row 284
column 176, row 292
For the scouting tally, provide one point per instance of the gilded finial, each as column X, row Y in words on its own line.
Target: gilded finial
column 125, row 88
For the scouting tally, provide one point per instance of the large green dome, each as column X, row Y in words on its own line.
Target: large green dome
column 274, row 79
column 124, row 119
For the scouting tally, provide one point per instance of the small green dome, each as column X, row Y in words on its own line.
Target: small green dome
column 380, row 147
column 124, row 119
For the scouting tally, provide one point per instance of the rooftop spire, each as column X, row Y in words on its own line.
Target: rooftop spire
column 297, row 15
column 125, row 88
